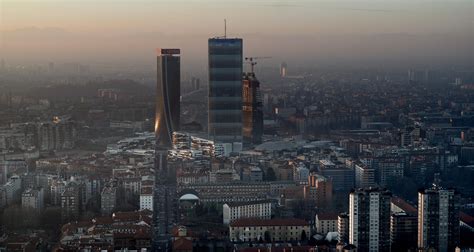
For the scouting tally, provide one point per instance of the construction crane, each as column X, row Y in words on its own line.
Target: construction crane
column 250, row 60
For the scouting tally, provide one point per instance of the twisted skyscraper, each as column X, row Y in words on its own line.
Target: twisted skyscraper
column 166, row 121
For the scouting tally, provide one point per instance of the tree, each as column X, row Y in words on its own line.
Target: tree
column 270, row 176
column 303, row 236
column 267, row 236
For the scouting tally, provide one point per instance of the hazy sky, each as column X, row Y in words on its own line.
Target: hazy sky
column 306, row 30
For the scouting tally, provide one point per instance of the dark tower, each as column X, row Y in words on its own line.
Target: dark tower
column 167, row 96
column 166, row 121
column 252, row 113
column 225, row 90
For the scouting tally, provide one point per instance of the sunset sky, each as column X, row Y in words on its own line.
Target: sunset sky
column 108, row 30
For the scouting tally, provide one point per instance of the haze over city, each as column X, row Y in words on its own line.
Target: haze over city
column 316, row 32
column 236, row 125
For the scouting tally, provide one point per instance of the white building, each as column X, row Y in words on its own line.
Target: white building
column 12, row 188
column 364, row 176
column 146, row 198
column 274, row 230
column 326, row 222
column 369, row 219
column 32, row 198
column 56, row 190
column 438, row 219
column 261, row 209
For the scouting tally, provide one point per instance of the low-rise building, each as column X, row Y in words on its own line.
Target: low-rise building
column 261, row 209
column 326, row 222
column 268, row 230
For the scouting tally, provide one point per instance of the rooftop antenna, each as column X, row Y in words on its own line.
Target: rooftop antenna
column 225, row 28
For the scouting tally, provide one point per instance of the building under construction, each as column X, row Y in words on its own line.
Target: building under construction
column 252, row 110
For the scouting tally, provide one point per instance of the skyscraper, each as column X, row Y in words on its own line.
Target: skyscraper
column 167, row 96
column 166, row 121
column 283, row 69
column 438, row 219
column 369, row 219
column 252, row 120
column 225, row 90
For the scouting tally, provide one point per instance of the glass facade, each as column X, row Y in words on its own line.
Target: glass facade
column 225, row 90
column 167, row 116
column 167, row 98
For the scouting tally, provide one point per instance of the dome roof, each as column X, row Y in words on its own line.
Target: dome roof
column 189, row 196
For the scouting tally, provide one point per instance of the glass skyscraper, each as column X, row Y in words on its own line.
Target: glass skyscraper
column 225, row 90
column 167, row 96
column 167, row 116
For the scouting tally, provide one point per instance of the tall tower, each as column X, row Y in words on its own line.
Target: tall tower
column 252, row 110
column 283, row 69
column 369, row 219
column 438, row 219
column 225, row 90
column 166, row 121
column 168, row 93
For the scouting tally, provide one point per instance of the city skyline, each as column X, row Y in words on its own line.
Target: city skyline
column 265, row 125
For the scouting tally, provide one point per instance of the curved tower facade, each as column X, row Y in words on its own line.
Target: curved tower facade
column 166, row 121
column 167, row 96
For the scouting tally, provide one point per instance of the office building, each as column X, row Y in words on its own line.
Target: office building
column 225, row 90
column 438, row 219
column 57, row 188
column 166, row 122
column 388, row 170
column 108, row 200
column 403, row 227
column 13, row 189
column 342, row 177
column 261, row 209
column 33, row 199
column 71, row 202
column 167, row 113
column 252, row 110
column 369, row 219
column 364, row 176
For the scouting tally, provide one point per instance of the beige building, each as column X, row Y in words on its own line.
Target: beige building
column 325, row 223
column 261, row 209
column 268, row 230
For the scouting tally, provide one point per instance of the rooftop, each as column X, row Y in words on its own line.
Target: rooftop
column 405, row 206
column 327, row 216
column 252, row 222
column 237, row 204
